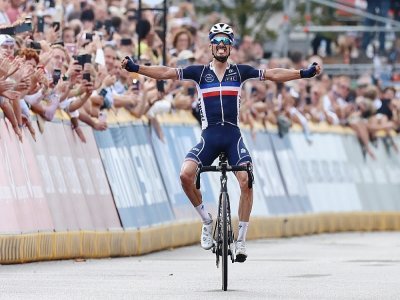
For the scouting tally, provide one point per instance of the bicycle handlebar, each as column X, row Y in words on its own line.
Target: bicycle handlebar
column 248, row 168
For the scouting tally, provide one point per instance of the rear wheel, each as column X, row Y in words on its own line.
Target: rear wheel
column 225, row 242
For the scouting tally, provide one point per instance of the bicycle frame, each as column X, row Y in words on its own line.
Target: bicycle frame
column 223, row 233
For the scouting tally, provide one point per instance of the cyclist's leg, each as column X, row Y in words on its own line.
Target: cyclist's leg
column 187, row 176
column 203, row 153
column 238, row 155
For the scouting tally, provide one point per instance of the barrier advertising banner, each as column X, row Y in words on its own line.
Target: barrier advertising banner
column 269, row 194
column 87, row 178
column 377, row 181
column 45, row 184
column 47, row 149
column 26, row 204
column 297, row 200
column 8, row 201
column 170, row 156
column 325, row 170
column 127, row 176
column 134, row 176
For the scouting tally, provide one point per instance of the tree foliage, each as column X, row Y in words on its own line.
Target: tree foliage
column 248, row 16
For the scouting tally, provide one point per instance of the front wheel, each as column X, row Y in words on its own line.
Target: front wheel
column 225, row 241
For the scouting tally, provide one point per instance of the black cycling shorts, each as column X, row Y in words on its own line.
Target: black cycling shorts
column 220, row 138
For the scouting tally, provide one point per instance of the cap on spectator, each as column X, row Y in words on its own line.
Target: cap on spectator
column 87, row 15
column 185, row 54
column 6, row 39
column 143, row 28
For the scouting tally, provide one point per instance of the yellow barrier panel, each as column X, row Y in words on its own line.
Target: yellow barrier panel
column 96, row 244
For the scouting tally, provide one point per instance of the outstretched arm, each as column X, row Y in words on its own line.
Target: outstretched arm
column 156, row 72
column 283, row 75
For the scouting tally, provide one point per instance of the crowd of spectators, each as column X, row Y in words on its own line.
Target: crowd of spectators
column 71, row 62
column 352, row 46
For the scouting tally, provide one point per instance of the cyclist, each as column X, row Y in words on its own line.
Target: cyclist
column 218, row 86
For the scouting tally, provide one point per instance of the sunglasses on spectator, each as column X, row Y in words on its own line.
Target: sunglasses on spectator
column 217, row 40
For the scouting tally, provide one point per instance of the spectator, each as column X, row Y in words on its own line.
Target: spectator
column 4, row 6
column 321, row 44
column 68, row 35
column 378, row 8
column 88, row 18
column 13, row 11
column 324, row 99
column 182, row 41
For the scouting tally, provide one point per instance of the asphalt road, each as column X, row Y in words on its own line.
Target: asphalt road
column 331, row 266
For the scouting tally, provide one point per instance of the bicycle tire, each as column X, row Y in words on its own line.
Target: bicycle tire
column 225, row 242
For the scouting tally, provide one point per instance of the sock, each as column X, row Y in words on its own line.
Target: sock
column 205, row 216
column 242, row 231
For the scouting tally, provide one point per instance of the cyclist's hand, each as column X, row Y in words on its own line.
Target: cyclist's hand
column 311, row 71
column 128, row 64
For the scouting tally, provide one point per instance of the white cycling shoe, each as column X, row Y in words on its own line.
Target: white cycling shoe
column 206, row 239
column 240, row 251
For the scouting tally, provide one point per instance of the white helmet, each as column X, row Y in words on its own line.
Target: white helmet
column 221, row 28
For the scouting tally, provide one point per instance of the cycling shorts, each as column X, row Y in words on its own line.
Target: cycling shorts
column 220, row 138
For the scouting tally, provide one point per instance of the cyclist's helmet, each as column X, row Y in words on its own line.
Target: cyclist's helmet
column 221, row 28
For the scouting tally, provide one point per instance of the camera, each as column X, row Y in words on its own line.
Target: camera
column 40, row 24
column 89, row 36
column 103, row 92
column 84, row 59
column 56, row 26
column 35, row 45
column 56, row 76
column 86, row 76
column 126, row 42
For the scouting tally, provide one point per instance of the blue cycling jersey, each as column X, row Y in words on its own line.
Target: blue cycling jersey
column 219, row 101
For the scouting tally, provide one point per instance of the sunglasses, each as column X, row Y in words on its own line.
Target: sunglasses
column 217, row 40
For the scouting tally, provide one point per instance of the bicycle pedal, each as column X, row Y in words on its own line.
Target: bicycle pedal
column 240, row 258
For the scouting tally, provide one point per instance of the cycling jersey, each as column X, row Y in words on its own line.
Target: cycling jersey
column 219, row 101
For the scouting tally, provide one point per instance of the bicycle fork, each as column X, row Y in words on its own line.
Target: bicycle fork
column 217, row 244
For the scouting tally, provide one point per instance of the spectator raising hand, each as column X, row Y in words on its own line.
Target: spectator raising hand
column 5, row 86
column 8, row 67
